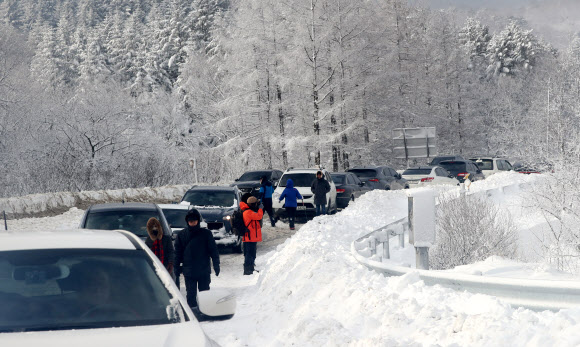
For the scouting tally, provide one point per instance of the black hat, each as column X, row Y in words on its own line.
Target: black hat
column 245, row 197
column 192, row 215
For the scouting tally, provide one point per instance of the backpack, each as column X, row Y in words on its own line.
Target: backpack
column 238, row 225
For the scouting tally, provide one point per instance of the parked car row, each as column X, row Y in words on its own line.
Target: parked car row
column 217, row 204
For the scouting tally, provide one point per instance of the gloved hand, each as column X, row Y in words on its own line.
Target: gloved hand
column 216, row 268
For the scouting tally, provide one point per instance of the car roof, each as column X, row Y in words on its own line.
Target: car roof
column 430, row 167
column 485, row 157
column 174, row 206
column 340, row 173
column 69, row 239
column 265, row 170
column 365, row 167
column 304, row 170
column 214, row 188
column 116, row 206
column 455, row 161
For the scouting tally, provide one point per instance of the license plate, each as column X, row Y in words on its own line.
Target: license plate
column 301, row 207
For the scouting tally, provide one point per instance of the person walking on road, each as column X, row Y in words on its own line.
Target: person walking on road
column 320, row 187
column 159, row 244
column 266, row 191
column 253, row 220
column 291, row 195
column 194, row 247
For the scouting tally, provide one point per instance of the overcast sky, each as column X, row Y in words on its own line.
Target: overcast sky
column 478, row 4
column 553, row 20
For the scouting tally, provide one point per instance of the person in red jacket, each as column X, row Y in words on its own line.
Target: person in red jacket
column 253, row 220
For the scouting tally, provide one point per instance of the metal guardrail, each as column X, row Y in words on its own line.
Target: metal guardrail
column 536, row 295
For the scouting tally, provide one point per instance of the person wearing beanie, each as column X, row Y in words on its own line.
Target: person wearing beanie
column 253, row 220
column 160, row 244
column 194, row 248
column 320, row 187
column 266, row 191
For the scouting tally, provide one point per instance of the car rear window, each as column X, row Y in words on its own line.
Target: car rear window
column 254, row 176
column 175, row 218
column 63, row 289
column 483, row 164
column 437, row 160
column 453, row 165
column 417, row 172
column 338, row 179
column 299, row 179
column 203, row 198
column 134, row 221
column 364, row 172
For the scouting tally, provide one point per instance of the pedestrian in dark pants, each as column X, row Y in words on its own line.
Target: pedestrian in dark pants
column 320, row 187
column 291, row 195
column 266, row 191
column 252, row 219
column 194, row 247
column 160, row 244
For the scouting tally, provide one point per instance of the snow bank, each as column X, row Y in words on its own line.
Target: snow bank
column 53, row 203
column 313, row 293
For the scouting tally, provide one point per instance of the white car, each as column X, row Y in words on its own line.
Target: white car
column 428, row 175
column 491, row 165
column 94, row 288
column 303, row 179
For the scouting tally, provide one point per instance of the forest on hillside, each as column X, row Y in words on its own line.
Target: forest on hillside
column 126, row 93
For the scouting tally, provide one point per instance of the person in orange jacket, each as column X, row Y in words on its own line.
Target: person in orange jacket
column 253, row 220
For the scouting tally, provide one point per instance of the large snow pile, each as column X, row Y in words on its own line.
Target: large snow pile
column 51, row 203
column 313, row 293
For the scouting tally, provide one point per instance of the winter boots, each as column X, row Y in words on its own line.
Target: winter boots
column 248, row 269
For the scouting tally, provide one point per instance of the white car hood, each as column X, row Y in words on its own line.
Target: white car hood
column 166, row 335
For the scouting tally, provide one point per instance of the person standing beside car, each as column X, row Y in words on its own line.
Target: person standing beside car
column 252, row 219
column 320, row 187
column 194, row 247
column 160, row 245
column 266, row 191
column 291, row 195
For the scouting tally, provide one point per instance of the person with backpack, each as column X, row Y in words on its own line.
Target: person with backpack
column 266, row 191
column 291, row 195
column 320, row 187
column 194, row 247
column 253, row 232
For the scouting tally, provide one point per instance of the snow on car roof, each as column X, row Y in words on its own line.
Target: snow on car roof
column 175, row 206
column 78, row 238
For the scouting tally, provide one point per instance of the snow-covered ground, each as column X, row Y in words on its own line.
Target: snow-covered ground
column 312, row 292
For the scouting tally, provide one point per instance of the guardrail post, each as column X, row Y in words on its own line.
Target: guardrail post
column 422, row 225
column 386, row 252
column 373, row 245
column 462, row 190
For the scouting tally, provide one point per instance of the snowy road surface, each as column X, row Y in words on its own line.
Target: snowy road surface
column 311, row 292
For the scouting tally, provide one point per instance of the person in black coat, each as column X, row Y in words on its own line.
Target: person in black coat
column 320, row 187
column 194, row 247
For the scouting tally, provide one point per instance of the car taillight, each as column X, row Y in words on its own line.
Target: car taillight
column 463, row 174
column 427, row 179
column 374, row 180
column 340, row 190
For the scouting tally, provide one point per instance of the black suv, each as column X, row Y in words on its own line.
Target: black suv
column 130, row 216
column 441, row 158
column 249, row 182
column 380, row 177
column 216, row 205
column 461, row 168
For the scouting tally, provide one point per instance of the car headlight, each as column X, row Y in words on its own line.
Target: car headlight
column 227, row 217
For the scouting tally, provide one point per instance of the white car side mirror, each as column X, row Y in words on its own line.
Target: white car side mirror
column 217, row 303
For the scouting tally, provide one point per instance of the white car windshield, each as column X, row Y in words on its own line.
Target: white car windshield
column 62, row 289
